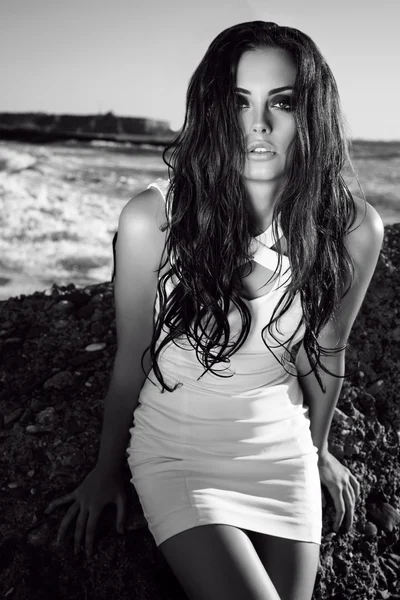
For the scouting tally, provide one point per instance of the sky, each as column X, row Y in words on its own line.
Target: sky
column 135, row 57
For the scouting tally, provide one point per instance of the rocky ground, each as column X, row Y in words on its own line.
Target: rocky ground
column 57, row 349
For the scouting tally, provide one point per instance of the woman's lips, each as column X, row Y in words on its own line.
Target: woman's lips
column 261, row 156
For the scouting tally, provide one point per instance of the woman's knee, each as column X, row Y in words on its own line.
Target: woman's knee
column 291, row 564
column 218, row 562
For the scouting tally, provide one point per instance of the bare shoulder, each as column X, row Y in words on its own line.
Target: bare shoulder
column 147, row 209
column 364, row 238
column 143, row 216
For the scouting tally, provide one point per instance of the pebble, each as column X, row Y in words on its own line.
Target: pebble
column 64, row 306
column 13, row 485
column 342, row 419
column 370, row 529
column 375, row 387
column 13, row 416
column 39, row 536
column 47, row 416
column 37, row 429
column 59, row 381
column 97, row 298
column 329, row 536
column 95, row 347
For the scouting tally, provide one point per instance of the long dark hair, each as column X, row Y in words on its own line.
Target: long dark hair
column 208, row 225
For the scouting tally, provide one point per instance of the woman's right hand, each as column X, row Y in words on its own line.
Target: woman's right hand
column 96, row 491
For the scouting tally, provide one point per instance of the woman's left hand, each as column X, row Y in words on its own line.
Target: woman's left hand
column 342, row 486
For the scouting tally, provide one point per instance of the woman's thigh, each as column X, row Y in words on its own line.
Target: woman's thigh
column 291, row 564
column 218, row 562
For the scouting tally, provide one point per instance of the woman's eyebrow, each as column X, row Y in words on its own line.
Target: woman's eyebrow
column 274, row 91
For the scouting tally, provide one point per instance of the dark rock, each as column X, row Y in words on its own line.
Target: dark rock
column 47, row 417
column 38, row 429
column 13, row 416
column 78, row 298
column 59, row 381
column 64, row 306
column 50, row 448
column 368, row 404
column 86, row 311
column 384, row 515
column 376, row 387
column 370, row 529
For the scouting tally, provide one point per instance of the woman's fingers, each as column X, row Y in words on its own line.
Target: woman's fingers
column 344, row 489
column 90, row 531
column 355, row 485
column 80, row 525
column 69, row 515
column 345, row 502
column 340, row 510
column 350, row 499
column 59, row 501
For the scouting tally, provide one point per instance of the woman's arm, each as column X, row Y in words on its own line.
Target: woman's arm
column 321, row 406
column 363, row 243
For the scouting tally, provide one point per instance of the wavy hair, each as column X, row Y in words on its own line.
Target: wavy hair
column 208, row 222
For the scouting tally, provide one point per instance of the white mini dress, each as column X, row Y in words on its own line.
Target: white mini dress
column 235, row 450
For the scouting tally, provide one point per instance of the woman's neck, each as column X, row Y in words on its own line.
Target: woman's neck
column 262, row 198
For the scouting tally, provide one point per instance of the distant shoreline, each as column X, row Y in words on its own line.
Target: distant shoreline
column 41, row 136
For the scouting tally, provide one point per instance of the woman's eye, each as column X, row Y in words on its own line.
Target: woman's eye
column 240, row 102
column 284, row 103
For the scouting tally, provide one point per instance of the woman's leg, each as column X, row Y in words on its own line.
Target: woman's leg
column 291, row 564
column 218, row 562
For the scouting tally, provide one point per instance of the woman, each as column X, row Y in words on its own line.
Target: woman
column 267, row 252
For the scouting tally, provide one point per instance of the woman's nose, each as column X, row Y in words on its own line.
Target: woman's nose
column 263, row 125
column 262, row 128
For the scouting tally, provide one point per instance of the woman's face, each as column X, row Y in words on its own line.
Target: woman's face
column 266, row 77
